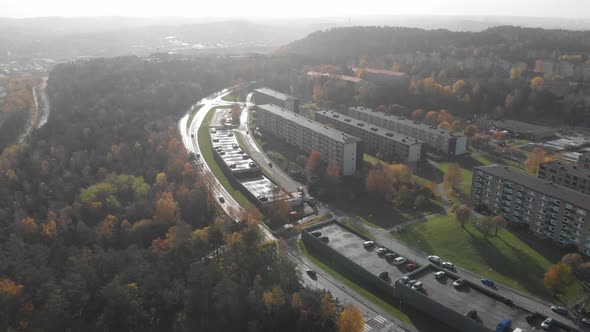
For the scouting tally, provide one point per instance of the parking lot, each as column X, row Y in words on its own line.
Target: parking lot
column 260, row 186
column 490, row 309
column 226, row 145
column 351, row 246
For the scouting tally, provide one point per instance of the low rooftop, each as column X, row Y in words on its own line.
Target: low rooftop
column 523, row 127
column 572, row 169
column 274, row 94
column 544, row 187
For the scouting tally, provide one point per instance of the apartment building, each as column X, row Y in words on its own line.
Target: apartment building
column 308, row 135
column 440, row 140
column 548, row 209
column 567, row 175
column 378, row 140
column 264, row 96
column 584, row 160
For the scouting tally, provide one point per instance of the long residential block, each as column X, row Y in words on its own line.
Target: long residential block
column 264, row 96
column 378, row 140
column 566, row 175
column 548, row 209
column 441, row 140
column 308, row 135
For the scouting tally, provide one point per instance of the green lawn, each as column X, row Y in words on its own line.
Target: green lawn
column 373, row 160
column 504, row 258
column 207, row 155
column 350, row 284
column 233, row 98
column 467, row 164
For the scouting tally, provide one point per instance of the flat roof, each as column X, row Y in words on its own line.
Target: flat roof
column 539, row 185
column 522, row 127
column 319, row 128
column 261, row 186
column 336, row 76
column 274, row 93
column 407, row 122
column 381, row 71
column 373, row 129
column 233, row 154
column 580, row 172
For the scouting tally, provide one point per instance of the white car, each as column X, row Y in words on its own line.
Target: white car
column 417, row 285
column 547, row 323
column 586, row 321
column 458, row 282
column 368, row 244
column 381, row 251
column 448, row 265
column 434, row 259
column 439, row 274
column 399, row 261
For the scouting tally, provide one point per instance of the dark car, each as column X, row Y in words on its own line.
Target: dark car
column 487, row 282
column 472, row 314
column 316, row 233
column 559, row 310
column 384, row 275
column 311, row 273
column 411, row 267
column 324, row 238
column 221, row 199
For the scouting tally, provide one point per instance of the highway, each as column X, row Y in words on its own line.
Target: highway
column 376, row 319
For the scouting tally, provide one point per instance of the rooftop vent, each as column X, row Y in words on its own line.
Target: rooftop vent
column 360, row 124
column 347, row 120
column 403, row 140
column 336, row 116
column 374, row 129
column 389, row 134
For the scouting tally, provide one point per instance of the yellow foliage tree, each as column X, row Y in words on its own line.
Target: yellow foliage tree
column 535, row 159
column 537, row 83
column 9, row 287
column 515, row 73
column 350, row 320
column 453, row 180
column 50, row 230
column 167, row 210
column 27, row 225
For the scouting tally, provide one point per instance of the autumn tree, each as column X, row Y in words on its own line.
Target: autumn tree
column 27, row 225
column 317, row 91
column 350, row 320
column 485, row 225
column 453, row 180
column 515, row 73
column 327, row 309
column 313, row 163
column 462, row 214
column 167, row 211
column 558, row 278
column 537, row 83
column 236, row 112
column 333, row 172
column 535, row 159
column 278, row 212
column 499, row 222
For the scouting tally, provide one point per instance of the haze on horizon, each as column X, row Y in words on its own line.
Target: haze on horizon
column 572, row 9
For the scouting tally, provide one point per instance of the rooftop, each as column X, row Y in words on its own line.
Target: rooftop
column 274, row 93
column 582, row 173
column 410, row 123
column 338, row 77
column 539, row 185
column 381, row 71
column 388, row 134
column 319, row 128
column 522, row 127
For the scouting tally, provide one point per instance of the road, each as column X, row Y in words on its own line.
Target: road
column 41, row 113
column 376, row 318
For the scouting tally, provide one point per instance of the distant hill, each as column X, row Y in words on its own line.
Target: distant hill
column 512, row 43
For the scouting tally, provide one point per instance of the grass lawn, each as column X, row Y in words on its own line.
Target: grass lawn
column 373, row 160
column 207, row 154
column 504, row 258
column 350, row 284
column 233, row 98
column 466, row 164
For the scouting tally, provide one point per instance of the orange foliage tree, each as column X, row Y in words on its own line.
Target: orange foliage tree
column 313, row 162
column 167, row 211
column 350, row 320
column 535, row 159
column 558, row 278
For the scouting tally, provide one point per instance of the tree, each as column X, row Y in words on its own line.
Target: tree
column 453, row 180
column 27, row 226
column 537, row 83
column 278, row 212
column 350, row 320
column 236, row 112
column 333, row 172
column 313, row 163
column 485, row 225
column 317, row 91
column 462, row 214
column 167, row 211
column 583, row 272
column 499, row 222
column 534, row 160
column 515, row 73
column 327, row 309
column 558, row 278
column 470, row 130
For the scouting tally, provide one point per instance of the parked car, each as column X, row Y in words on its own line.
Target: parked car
column 311, row 273
column 390, row 255
column 448, row 265
column 213, row 131
column 252, row 164
column 368, row 244
column 382, row 251
column 399, row 261
column 487, row 282
column 586, row 321
column 221, row 153
column 434, row 259
column 439, row 274
column 269, row 164
column 411, row 267
column 404, row 280
column 458, row 283
column 547, row 323
column 472, row 314
column 215, row 140
column 235, row 146
column 417, row 285
column 384, row 275
column 300, row 189
column 316, row 233
column 324, row 238
column 412, row 282
column 221, row 199
column 559, row 310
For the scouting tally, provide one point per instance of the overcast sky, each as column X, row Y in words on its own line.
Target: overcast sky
column 277, row 8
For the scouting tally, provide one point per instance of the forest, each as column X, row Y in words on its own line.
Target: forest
column 106, row 226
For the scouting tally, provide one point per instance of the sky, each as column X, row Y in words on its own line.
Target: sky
column 575, row 9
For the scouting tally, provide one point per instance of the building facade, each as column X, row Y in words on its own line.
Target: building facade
column 308, row 135
column 547, row 209
column 584, row 160
column 440, row 140
column 567, row 175
column 378, row 140
column 264, row 96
